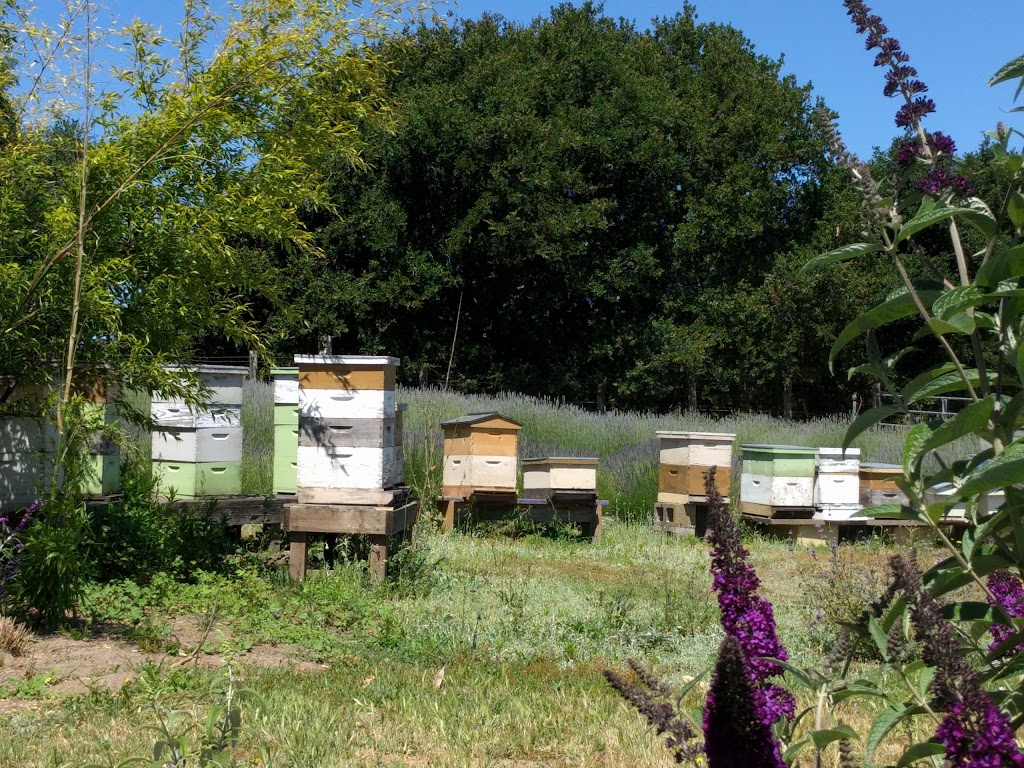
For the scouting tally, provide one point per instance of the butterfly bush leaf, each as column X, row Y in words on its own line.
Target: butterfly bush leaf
column 840, row 254
column 919, row 752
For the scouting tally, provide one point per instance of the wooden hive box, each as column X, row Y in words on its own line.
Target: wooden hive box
column 545, row 477
column 197, row 451
column 685, row 457
column 480, row 454
column 776, row 478
column 348, row 437
column 837, row 485
column 286, row 428
column 27, row 445
column 878, row 485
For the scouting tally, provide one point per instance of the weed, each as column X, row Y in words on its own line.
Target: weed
column 14, row 636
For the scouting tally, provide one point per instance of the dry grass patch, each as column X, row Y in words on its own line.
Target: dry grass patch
column 14, row 636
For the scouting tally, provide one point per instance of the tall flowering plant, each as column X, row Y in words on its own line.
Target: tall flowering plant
column 969, row 689
column 12, row 527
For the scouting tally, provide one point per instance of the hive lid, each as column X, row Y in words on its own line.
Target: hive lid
column 869, row 465
column 239, row 370
column 779, row 448
column 852, row 453
column 286, row 371
column 667, row 433
column 365, row 360
column 476, row 418
column 563, row 459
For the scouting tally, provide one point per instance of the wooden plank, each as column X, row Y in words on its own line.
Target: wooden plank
column 485, row 442
column 297, row 553
column 378, row 558
column 336, row 518
column 352, row 496
column 757, row 510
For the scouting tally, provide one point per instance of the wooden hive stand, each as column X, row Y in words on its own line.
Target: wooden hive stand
column 349, row 458
column 685, row 457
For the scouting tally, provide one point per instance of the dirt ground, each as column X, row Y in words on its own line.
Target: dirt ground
column 104, row 661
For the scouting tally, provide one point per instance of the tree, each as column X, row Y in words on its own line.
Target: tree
column 557, row 191
column 126, row 212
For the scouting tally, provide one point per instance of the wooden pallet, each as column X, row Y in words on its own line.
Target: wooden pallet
column 456, row 511
column 768, row 512
column 681, row 519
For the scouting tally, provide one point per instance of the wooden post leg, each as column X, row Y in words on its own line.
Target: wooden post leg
column 595, row 533
column 448, row 524
column 378, row 557
column 297, row 556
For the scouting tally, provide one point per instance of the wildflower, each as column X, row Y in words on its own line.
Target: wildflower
column 975, row 732
column 651, row 698
column 860, row 174
column 908, row 152
column 939, row 180
column 1009, row 592
column 942, row 143
column 734, row 734
column 746, row 616
column 901, row 77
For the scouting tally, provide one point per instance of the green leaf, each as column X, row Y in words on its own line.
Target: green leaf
column 976, row 213
column 913, row 446
column 974, row 417
column 957, row 299
column 1015, row 210
column 927, row 216
column 1001, row 472
column 919, row 752
column 962, row 323
column 825, row 737
column 968, row 611
column 879, row 637
column 840, row 254
column 867, row 420
column 899, row 305
column 884, row 722
column 891, row 512
column 1008, row 71
column 925, row 377
column 1004, row 263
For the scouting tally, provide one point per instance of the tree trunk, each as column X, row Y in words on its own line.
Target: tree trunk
column 692, row 404
column 325, row 344
column 787, row 399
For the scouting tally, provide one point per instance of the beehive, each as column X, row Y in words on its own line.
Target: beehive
column 27, row 446
column 286, row 428
column 837, row 485
column 347, row 431
column 684, row 459
column 197, row 451
column 545, row 477
column 987, row 502
column 878, row 485
column 480, row 454
column 776, row 478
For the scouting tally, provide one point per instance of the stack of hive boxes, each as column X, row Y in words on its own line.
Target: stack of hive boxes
column 837, row 486
column 878, row 485
column 198, row 451
column 27, row 445
column 556, row 477
column 286, row 429
column 349, row 442
column 685, row 457
column 480, row 455
column 778, row 479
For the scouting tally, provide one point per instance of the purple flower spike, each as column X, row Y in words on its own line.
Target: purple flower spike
column 1009, row 591
column 746, row 616
column 978, row 735
column 942, row 143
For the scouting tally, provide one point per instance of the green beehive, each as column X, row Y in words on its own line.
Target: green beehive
column 191, row 480
column 777, row 476
column 286, row 428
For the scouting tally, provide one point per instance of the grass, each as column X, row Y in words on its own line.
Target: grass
column 522, row 627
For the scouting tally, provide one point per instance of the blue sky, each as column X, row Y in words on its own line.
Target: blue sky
column 955, row 46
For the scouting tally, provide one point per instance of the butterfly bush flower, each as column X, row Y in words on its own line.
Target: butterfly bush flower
column 1009, row 592
column 734, row 733
column 11, row 545
column 901, row 79
column 746, row 616
column 975, row 732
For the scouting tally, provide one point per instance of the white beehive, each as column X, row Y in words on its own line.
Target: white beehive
column 777, row 477
column 197, row 450
column 544, row 477
column 347, row 433
column 837, row 485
